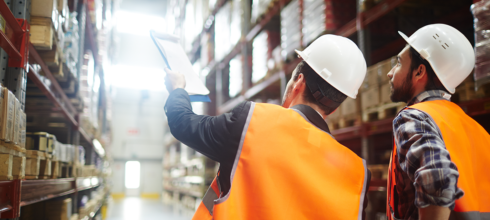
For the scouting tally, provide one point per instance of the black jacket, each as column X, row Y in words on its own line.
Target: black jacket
column 218, row 137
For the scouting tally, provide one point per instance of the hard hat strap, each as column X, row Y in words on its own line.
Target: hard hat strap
column 324, row 100
column 311, row 83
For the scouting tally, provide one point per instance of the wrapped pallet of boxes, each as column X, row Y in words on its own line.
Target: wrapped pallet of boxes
column 290, row 29
column 8, row 113
column 370, row 93
column 350, row 113
column 376, row 92
column 325, row 16
column 482, row 41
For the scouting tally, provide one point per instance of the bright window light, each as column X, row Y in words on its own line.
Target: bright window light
column 132, row 175
column 137, row 77
column 138, row 24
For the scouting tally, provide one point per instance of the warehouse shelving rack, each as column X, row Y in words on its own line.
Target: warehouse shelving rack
column 363, row 138
column 22, row 55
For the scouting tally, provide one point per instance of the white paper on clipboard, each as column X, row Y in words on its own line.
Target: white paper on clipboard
column 176, row 59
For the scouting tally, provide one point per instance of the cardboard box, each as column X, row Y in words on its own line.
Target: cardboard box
column 349, row 107
column 43, row 8
column 58, row 209
column 385, row 93
column 42, row 31
column 370, row 97
column 23, row 127
column 8, row 116
column 17, row 122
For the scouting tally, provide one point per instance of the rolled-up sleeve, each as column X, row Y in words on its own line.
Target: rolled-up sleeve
column 423, row 156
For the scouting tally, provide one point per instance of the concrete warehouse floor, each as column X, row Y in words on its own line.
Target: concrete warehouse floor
column 135, row 208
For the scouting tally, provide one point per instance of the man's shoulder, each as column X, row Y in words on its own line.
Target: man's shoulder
column 410, row 114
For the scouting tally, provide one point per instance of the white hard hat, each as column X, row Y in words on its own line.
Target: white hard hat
column 447, row 50
column 338, row 61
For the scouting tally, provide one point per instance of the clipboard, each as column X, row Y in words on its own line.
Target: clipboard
column 176, row 59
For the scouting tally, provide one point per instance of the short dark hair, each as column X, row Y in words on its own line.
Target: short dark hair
column 433, row 82
column 327, row 90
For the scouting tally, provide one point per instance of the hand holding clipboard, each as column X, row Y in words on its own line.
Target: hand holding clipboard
column 176, row 60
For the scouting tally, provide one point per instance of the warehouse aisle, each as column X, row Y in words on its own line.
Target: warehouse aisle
column 135, row 208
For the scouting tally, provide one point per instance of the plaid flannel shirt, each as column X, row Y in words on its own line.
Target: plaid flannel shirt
column 426, row 175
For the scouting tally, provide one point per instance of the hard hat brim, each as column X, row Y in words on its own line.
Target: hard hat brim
column 301, row 54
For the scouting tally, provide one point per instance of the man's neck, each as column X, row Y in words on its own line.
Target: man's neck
column 314, row 107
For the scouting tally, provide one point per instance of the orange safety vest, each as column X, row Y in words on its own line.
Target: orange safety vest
column 469, row 147
column 286, row 168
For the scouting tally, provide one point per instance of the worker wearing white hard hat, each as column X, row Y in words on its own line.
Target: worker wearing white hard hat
column 281, row 162
column 439, row 157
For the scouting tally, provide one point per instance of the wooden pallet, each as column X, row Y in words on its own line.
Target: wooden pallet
column 14, row 162
column 382, row 111
column 38, row 165
column 467, row 91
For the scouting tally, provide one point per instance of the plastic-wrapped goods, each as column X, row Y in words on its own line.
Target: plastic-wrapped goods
column 259, row 8
column 290, row 28
column 481, row 13
column 81, row 155
column 71, row 43
column 320, row 16
column 313, row 20
column 236, row 76
column 222, row 31
column 259, row 57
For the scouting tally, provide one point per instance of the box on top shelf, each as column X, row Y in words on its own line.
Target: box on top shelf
column 325, row 16
column 290, row 29
column 482, row 41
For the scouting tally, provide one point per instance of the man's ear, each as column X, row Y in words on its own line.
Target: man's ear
column 420, row 73
column 299, row 83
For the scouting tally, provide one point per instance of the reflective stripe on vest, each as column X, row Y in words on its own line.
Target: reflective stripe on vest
column 469, row 147
column 205, row 209
column 286, row 168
